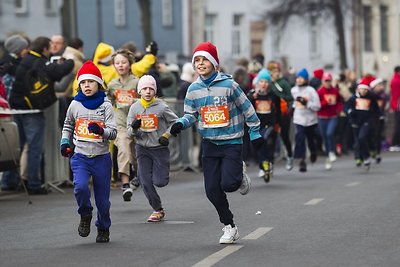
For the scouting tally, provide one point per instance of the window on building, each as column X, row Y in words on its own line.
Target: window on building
column 50, row 7
column 21, row 6
column 314, row 36
column 384, row 28
column 119, row 13
column 367, row 17
column 209, row 25
column 237, row 34
column 167, row 13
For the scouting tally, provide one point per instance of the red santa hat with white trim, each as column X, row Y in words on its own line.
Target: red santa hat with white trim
column 375, row 82
column 365, row 82
column 89, row 71
column 207, row 50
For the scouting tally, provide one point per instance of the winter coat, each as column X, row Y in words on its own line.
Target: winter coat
column 305, row 115
column 55, row 71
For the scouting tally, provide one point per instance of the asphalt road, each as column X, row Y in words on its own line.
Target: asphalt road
column 342, row 217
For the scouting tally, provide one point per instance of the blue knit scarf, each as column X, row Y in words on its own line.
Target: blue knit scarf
column 91, row 102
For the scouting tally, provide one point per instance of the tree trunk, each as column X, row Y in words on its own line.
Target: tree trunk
column 340, row 32
column 146, row 21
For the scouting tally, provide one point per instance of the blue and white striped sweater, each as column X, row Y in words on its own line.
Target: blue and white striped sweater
column 222, row 91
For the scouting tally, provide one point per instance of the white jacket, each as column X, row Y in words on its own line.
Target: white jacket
column 305, row 115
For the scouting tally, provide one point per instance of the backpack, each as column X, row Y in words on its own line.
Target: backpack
column 41, row 87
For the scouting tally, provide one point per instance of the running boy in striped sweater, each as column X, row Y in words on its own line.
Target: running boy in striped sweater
column 221, row 108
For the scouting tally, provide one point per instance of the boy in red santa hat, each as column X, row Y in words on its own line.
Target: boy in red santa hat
column 90, row 120
column 221, row 108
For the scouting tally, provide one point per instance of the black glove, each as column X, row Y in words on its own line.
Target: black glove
column 164, row 141
column 257, row 142
column 176, row 128
column 136, row 124
column 152, row 48
column 65, row 150
column 95, row 128
column 302, row 100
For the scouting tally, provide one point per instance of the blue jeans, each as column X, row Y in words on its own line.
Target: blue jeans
column 10, row 180
column 327, row 127
column 31, row 131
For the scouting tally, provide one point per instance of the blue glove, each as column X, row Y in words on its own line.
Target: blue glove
column 95, row 128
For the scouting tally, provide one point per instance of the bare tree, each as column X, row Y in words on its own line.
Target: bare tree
column 146, row 21
column 280, row 14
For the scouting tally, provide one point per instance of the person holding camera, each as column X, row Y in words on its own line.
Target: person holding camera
column 305, row 118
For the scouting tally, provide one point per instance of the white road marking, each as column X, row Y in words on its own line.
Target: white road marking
column 177, row 222
column 352, row 184
column 258, row 233
column 314, row 201
column 217, row 256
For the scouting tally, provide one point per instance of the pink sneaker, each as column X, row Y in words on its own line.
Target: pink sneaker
column 156, row 216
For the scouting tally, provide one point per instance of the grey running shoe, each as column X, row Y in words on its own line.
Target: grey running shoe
column 246, row 182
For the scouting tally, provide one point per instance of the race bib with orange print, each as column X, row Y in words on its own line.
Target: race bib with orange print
column 331, row 99
column 124, row 98
column 215, row 116
column 82, row 131
column 263, row 106
column 363, row 103
column 149, row 122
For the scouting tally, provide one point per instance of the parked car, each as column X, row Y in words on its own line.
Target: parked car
column 9, row 138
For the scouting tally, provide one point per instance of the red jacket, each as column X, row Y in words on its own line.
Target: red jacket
column 331, row 102
column 395, row 91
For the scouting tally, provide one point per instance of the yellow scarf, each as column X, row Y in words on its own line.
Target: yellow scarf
column 146, row 103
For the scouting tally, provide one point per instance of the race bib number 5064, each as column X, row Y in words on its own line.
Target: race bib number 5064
column 215, row 116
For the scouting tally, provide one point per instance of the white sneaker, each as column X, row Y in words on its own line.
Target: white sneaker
column 246, row 182
column 127, row 194
column 289, row 163
column 332, row 156
column 261, row 173
column 328, row 164
column 230, row 235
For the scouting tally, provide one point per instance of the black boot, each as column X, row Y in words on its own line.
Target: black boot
column 302, row 166
column 84, row 225
column 103, row 236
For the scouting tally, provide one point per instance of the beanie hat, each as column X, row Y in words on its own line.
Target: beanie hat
column 147, row 81
column 318, row 73
column 207, row 50
column 327, row 77
column 375, row 82
column 303, row 73
column 15, row 44
column 89, row 71
column 264, row 75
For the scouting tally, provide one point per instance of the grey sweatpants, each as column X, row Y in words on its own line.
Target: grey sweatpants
column 153, row 170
